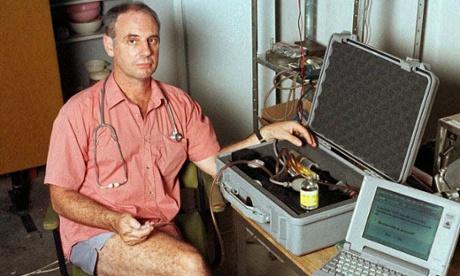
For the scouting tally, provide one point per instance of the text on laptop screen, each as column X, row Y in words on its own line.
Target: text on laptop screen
column 403, row 223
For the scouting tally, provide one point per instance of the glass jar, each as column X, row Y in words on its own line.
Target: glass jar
column 309, row 194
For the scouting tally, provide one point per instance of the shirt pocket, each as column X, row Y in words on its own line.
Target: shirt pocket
column 173, row 153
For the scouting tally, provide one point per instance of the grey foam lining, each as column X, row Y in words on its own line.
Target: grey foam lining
column 337, row 167
column 369, row 107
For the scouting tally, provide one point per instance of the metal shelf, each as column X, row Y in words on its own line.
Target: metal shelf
column 79, row 38
column 260, row 59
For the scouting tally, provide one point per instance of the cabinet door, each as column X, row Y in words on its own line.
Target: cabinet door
column 30, row 87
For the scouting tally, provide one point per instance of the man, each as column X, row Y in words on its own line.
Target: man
column 109, row 195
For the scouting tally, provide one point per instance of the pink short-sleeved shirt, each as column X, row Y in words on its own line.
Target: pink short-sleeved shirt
column 153, row 159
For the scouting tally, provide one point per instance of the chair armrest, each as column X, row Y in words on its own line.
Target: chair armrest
column 189, row 179
column 51, row 220
column 188, row 176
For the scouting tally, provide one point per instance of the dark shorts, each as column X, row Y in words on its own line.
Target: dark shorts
column 84, row 254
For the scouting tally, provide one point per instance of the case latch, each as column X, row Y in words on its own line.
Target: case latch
column 411, row 63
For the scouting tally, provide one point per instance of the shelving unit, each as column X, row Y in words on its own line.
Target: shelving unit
column 310, row 26
column 75, row 49
column 358, row 21
column 259, row 59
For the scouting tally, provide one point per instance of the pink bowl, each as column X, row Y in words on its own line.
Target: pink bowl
column 83, row 7
column 84, row 16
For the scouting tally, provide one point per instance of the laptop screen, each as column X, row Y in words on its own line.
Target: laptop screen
column 403, row 223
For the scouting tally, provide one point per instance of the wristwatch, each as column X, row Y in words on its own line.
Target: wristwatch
column 259, row 136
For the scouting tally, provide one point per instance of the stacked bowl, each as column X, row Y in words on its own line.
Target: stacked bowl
column 85, row 18
column 97, row 70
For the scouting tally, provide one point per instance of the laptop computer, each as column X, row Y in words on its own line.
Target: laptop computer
column 398, row 228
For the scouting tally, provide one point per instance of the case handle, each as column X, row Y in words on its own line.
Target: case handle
column 251, row 212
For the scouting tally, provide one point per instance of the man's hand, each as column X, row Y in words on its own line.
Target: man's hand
column 131, row 231
column 289, row 131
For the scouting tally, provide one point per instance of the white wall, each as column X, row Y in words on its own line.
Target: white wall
column 170, row 38
column 218, row 39
column 206, row 50
column 210, row 43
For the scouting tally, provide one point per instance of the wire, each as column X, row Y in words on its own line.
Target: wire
column 302, row 54
column 300, row 108
column 367, row 27
column 293, row 165
column 286, row 75
column 212, row 205
column 43, row 269
column 291, row 74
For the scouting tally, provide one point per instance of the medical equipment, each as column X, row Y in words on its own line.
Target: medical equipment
column 175, row 135
column 447, row 155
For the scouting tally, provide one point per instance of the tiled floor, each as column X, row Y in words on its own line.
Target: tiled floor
column 24, row 252
column 32, row 253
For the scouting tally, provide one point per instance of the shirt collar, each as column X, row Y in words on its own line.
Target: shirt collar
column 114, row 95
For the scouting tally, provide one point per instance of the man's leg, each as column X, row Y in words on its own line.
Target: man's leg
column 160, row 254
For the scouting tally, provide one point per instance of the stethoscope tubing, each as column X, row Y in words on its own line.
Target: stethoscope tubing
column 175, row 135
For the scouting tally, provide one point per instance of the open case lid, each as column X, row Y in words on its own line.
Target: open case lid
column 372, row 107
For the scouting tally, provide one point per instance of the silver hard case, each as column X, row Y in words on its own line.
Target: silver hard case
column 368, row 116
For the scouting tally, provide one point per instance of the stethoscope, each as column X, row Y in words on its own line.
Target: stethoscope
column 175, row 135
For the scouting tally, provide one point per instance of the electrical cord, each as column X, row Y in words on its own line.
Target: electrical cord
column 293, row 75
column 367, row 27
column 43, row 269
column 212, row 205
column 294, row 165
column 300, row 109
column 286, row 75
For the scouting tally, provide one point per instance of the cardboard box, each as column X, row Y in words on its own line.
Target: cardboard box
column 280, row 111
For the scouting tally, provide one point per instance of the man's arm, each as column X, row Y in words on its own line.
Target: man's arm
column 288, row 131
column 81, row 209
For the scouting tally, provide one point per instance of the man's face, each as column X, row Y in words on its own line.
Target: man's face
column 136, row 46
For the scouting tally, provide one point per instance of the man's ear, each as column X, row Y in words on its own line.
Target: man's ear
column 108, row 45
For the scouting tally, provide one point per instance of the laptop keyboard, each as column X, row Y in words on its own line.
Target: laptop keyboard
column 347, row 263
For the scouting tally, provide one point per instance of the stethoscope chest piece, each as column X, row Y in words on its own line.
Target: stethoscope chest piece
column 176, row 136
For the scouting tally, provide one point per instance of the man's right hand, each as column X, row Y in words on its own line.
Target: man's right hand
column 81, row 209
column 131, row 231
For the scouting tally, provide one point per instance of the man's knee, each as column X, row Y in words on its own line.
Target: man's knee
column 195, row 263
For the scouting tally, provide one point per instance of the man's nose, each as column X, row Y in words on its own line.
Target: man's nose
column 146, row 49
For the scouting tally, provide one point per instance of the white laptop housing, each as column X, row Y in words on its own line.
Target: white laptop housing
column 405, row 228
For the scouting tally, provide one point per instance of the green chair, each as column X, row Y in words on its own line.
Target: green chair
column 191, row 220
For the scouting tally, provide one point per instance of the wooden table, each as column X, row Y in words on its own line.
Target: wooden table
column 303, row 265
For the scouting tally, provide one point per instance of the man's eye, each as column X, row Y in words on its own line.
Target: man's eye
column 153, row 41
column 131, row 41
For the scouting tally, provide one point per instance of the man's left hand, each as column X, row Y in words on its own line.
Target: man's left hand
column 289, row 131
